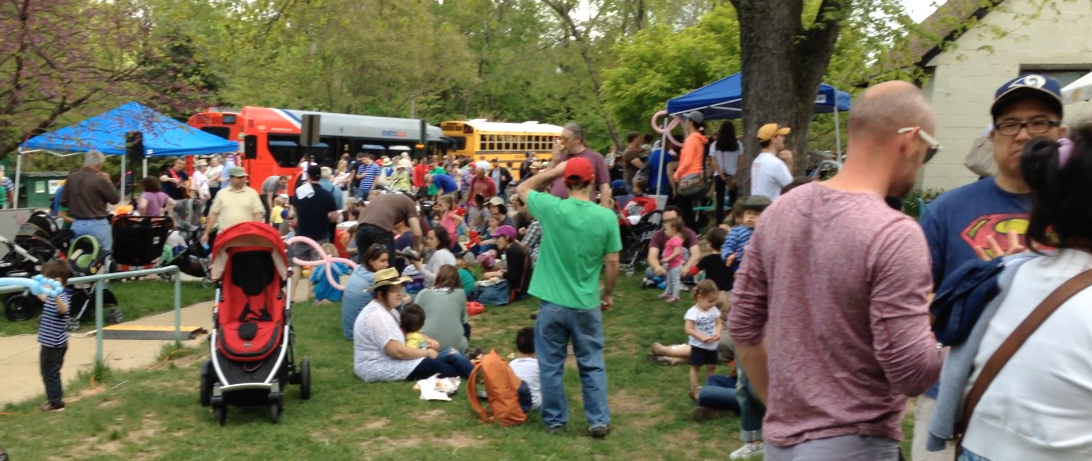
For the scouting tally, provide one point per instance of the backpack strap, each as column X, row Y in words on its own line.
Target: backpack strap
column 472, row 395
column 1011, row 344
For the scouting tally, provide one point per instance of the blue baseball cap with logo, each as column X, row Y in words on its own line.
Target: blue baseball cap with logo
column 1026, row 86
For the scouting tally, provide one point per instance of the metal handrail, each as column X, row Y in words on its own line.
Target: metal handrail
column 98, row 280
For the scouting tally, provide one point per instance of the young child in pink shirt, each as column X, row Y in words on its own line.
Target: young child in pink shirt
column 673, row 260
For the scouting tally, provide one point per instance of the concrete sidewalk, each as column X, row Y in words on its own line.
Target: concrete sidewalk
column 19, row 365
column 22, row 378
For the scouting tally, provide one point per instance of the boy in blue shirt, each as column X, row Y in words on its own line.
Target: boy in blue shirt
column 53, row 334
column 746, row 213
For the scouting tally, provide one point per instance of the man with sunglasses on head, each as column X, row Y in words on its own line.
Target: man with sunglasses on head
column 987, row 218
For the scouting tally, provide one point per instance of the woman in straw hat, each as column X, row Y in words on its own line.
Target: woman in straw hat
column 379, row 346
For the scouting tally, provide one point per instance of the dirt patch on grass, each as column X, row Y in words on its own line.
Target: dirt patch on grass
column 109, row 404
column 628, row 403
column 188, row 360
column 454, row 439
column 432, row 416
column 377, row 424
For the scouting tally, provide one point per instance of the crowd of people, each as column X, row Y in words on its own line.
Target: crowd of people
column 816, row 294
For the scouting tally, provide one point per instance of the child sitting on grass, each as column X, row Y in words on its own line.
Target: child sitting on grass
column 746, row 213
column 525, row 366
column 704, row 327
column 413, row 319
column 53, row 334
column 466, row 278
column 325, row 293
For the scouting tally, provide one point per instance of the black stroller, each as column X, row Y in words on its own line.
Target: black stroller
column 85, row 257
column 36, row 243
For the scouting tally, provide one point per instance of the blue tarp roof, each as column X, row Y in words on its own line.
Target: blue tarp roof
column 723, row 99
column 162, row 135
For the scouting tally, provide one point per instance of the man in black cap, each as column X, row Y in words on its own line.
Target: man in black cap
column 987, row 218
column 315, row 210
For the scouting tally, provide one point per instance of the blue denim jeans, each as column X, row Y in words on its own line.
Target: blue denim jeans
column 456, row 360
column 968, row 455
column 719, row 393
column 553, row 329
column 97, row 228
column 751, row 410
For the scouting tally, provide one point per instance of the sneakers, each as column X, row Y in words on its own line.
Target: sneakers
column 473, row 353
column 747, row 450
column 599, row 432
column 555, row 430
column 694, row 391
column 49, row 406
column 705, row 413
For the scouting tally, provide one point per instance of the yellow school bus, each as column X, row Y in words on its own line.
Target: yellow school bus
column 508, row 142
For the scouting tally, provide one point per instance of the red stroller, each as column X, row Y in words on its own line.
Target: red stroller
column 252, row 358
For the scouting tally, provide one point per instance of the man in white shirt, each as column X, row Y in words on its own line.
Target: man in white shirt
column 769, row 174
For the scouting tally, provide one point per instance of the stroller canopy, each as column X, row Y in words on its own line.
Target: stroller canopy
column 252, row 235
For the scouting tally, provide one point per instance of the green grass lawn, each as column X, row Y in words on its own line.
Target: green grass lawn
column 136, row 299
column 156, row 414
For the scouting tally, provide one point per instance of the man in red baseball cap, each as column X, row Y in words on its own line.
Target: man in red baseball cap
column 577, row 237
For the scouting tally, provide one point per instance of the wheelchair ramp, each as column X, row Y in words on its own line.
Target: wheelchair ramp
column 151, row 333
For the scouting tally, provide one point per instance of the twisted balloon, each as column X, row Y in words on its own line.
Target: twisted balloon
column 326, row 260
column 37, row 285
column 670, row 126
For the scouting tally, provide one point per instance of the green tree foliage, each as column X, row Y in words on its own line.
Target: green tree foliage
column 660, row 63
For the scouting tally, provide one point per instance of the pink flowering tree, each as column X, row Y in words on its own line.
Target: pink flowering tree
column 64, row 60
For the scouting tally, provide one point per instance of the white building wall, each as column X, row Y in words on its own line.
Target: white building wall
column 970, row 71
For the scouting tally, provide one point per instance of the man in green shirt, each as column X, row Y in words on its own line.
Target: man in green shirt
column 578, row 236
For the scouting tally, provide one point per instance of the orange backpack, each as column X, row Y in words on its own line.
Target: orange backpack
column 501, row 388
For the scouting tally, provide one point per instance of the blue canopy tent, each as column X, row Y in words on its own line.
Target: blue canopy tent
column 162, row 137
column 723, row 99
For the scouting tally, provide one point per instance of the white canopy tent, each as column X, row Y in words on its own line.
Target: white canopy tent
column 1078, row 91
column 1077, row 97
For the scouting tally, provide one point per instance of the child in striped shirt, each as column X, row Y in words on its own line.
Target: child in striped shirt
column 746, row 213
column 53, row 334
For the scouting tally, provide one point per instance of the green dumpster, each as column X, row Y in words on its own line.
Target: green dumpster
column 38, row 188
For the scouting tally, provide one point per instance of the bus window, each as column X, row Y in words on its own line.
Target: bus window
column 221, row 131
column 285, row 150
column 460, row 142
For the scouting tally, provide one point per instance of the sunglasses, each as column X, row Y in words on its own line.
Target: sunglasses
column 934, row 145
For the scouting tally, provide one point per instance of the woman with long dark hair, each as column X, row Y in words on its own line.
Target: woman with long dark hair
column 725, row 151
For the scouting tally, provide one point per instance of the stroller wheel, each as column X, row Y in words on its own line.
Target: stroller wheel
column 220, row 412
column 629, row 272
column 206, row 383
column 207, row 283
column 305, row 378
column 19, row 307
column 275, row 412
column 73, row 324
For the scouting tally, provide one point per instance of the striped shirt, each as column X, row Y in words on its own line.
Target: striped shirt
column 370, row 172
column 734, row 242
column 53, row 328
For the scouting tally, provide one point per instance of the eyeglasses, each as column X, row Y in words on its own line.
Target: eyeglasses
column 1038, row 126
column 934, row 146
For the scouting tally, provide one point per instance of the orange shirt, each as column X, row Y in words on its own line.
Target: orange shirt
column 692, row 156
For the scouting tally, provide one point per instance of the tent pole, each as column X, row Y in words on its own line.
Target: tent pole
column 122, row 191
column 18, row 175
column 145, row 175
column 837, row 131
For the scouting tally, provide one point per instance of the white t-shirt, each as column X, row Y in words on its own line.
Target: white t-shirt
column 483, row 165
column 375, row 327
column 526, row 369
column 728, row 161
column 706, row 323
column 1039, row 405
column 769, row 175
